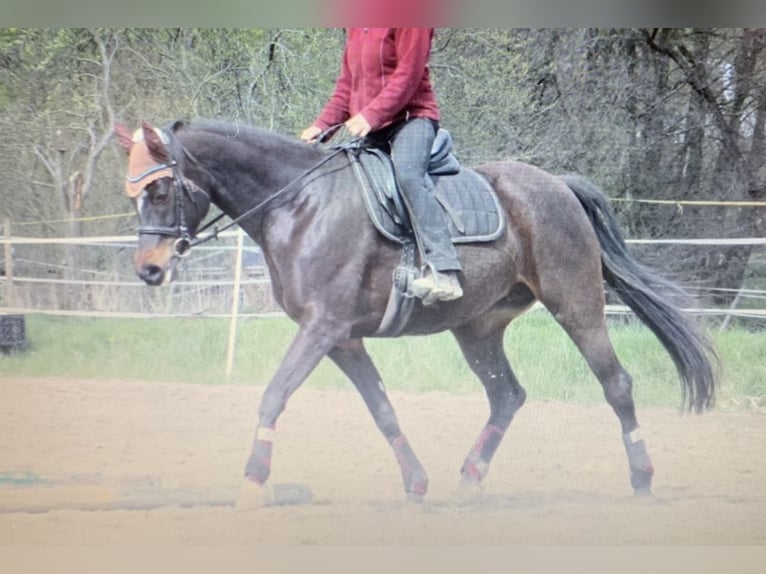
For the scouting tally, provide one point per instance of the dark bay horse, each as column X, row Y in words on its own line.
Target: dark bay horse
column 331, row 272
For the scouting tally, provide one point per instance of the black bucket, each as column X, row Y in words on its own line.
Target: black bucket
column 12, row 332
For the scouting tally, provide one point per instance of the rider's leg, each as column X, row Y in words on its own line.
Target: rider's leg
column 411, row 152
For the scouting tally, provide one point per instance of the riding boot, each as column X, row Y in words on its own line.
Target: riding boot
column 437, row 286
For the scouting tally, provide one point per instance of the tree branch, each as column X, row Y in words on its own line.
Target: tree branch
column 696, row 76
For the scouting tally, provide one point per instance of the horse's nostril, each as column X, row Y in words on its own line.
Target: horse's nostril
column 151, row 274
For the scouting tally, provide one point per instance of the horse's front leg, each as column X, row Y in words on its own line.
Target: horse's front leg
column 353, row 360
column 312, row 342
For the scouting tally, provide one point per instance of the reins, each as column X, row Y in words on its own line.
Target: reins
column 253, row 210
column 185, row 240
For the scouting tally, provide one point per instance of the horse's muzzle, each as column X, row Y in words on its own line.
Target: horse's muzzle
column 156, row 264
column 153, row 275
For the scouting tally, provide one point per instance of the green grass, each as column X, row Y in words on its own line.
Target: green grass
column 544, row 359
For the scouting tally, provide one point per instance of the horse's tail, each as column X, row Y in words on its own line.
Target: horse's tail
column 650, row 297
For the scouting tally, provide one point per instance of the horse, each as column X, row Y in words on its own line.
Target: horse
column 331, row 273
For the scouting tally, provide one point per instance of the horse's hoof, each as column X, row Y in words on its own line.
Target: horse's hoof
column 643, row 492
column 253, row 496
column 415, row 497
column 469, row 491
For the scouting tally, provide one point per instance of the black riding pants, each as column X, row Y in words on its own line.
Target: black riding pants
column 410, row 145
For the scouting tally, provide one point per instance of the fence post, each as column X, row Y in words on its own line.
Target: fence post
column 234, row 305
column 8, row 263
column 732, row 308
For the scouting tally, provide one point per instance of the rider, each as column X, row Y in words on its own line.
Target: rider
column 384, row 93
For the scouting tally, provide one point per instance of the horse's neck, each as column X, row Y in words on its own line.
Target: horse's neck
column 251, row 176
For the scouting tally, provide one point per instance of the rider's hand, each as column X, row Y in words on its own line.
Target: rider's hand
column 310, row 134
column 358, row 126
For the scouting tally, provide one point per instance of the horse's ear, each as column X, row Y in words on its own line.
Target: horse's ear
column 154, row 143
column 124, row 135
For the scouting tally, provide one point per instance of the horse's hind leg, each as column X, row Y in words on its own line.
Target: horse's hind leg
column 588, row 331
column 353, row 360
column 483, row 349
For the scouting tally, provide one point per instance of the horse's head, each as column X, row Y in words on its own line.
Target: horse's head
column 170, row 204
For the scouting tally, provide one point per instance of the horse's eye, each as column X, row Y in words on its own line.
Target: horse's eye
column 158, row 192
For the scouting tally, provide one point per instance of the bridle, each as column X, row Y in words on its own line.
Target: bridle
column 183, row 192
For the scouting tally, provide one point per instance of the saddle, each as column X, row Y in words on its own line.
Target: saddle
column 472, row 207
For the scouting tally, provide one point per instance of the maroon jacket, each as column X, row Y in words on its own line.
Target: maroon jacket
column 384, row 76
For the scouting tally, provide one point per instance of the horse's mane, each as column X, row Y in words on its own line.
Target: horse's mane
column 290, row 149
column 244, row 132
